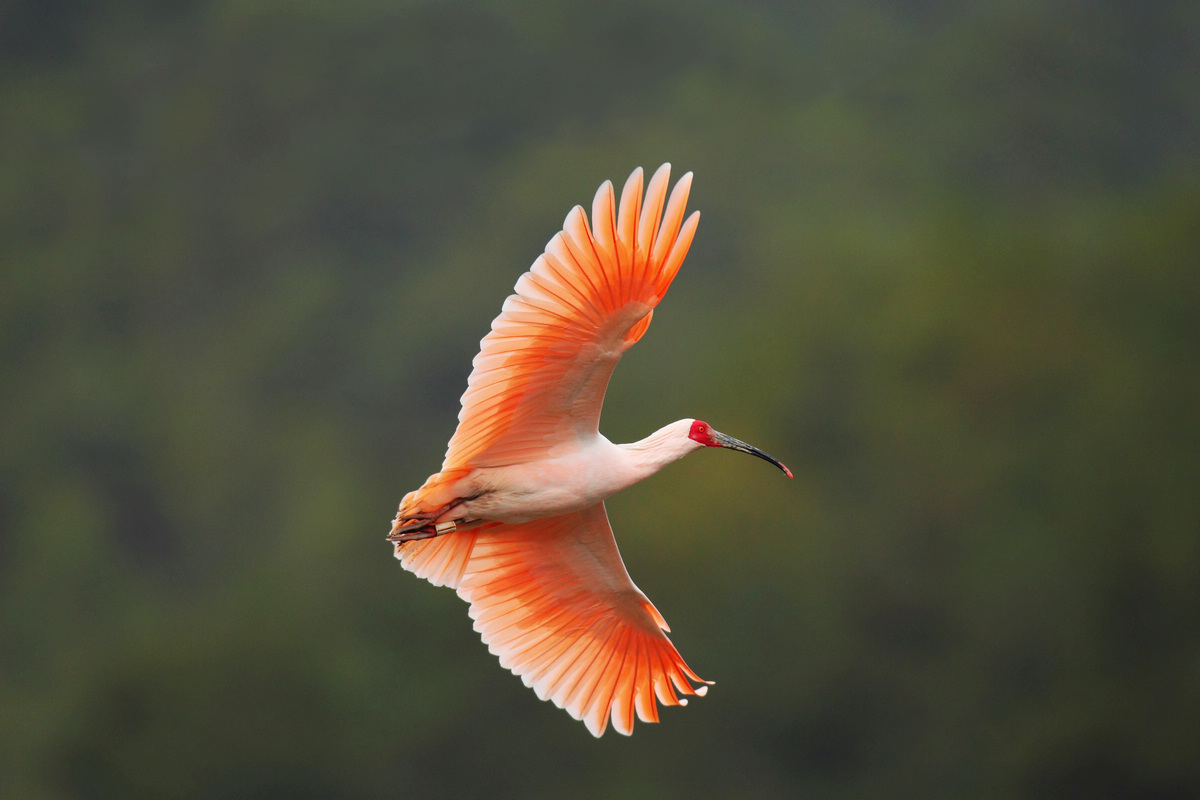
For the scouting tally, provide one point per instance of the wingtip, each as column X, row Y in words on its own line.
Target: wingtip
column 574, row 214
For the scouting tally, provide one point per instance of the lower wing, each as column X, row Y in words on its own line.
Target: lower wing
column 552, row 599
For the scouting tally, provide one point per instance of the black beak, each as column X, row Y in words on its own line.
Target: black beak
column 737, row 444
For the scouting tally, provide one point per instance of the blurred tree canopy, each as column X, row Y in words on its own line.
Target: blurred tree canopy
column 947, row 271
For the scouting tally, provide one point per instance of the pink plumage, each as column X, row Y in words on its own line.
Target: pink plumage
column 515, row 519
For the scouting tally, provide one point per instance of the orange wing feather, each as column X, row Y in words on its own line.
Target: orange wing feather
column 540, row 376
column 551, row 597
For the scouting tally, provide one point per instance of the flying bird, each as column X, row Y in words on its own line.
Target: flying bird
column 515, row 519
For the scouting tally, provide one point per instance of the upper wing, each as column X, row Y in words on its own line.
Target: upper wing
column 541, row 372
column 552, row 599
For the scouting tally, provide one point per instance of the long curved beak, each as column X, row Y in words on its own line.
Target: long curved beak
column 731, row 443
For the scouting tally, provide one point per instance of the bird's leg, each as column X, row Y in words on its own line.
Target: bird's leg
column 412, row 526
column 416, row 525
column 418, row 531
column 406, row 521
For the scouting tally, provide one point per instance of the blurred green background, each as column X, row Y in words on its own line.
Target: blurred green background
column 948, row 270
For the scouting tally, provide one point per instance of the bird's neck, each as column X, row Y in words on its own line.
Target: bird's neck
column 666, row 445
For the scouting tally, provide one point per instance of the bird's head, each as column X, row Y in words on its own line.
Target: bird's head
column 703, row 433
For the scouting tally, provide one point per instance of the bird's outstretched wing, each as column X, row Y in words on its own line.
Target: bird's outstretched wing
column 540, row 376
column 552, row 599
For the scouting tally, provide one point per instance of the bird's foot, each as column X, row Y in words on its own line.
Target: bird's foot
column 416, row 531
column 415, row 522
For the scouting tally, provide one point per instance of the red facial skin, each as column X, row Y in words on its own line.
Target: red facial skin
column 700, row 432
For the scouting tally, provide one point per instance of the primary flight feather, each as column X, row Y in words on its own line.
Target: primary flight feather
column 514, row 521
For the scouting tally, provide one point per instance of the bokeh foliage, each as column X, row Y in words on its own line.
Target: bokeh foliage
column 947, row 270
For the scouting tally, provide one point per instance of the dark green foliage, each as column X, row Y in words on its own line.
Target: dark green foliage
column 946, row 271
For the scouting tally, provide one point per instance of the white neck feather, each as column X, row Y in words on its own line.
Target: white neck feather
column 665, row 446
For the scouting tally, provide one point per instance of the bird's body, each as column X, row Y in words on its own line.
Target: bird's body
column 515, row 519
column 568, row 481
